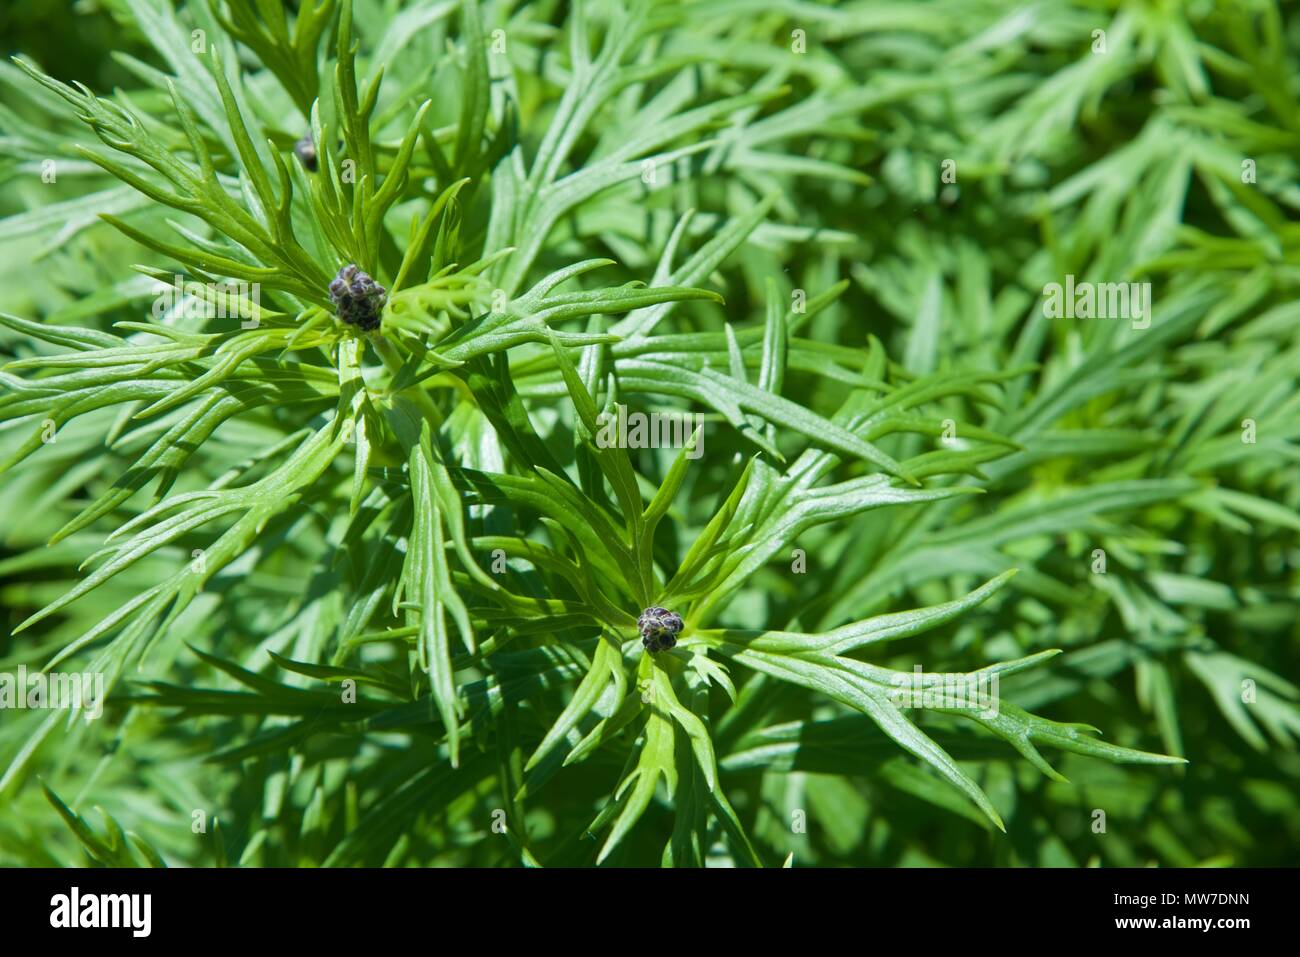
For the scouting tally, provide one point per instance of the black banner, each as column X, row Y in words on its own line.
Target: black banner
column 314, row 907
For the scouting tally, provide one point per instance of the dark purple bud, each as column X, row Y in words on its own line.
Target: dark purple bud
column 305, row 150
column 659, row 628
column 358, row 300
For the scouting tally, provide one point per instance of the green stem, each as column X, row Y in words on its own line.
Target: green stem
column 393, row 363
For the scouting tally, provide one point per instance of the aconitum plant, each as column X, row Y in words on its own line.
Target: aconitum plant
column 634, row 433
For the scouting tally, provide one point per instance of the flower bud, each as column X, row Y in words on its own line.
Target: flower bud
column 305, row 150
column 358, row 300
column 659, row 628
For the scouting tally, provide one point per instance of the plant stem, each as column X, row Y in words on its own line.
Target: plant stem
column 393, row 363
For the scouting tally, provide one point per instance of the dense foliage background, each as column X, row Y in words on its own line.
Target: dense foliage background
column 846, row 216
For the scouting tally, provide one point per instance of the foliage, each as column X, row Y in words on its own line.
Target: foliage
column 372, row 598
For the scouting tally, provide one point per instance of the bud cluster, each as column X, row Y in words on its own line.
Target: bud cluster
column 659, row 628
column 358, row 300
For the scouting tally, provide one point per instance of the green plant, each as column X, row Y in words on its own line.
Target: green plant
column 390, row 579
